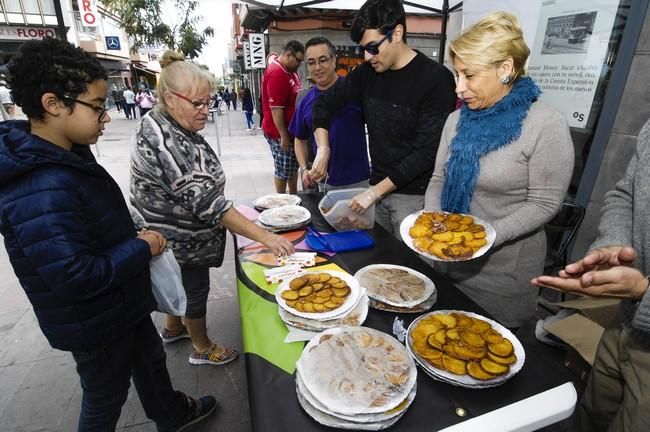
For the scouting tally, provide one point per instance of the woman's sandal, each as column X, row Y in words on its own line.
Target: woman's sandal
column 215, row 355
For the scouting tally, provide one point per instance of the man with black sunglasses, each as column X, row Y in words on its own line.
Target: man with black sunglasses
column 406, row 98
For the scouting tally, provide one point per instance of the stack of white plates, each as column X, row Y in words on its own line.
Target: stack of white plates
column 285, row 218
column 466, row 380
column 352, row 312
column 355, row 378
column 275, row 200
column 397, row 289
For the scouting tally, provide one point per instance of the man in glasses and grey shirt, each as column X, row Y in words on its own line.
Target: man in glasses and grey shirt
column 406, row 98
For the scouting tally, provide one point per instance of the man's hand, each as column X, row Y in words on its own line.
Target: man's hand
column 618, row 282
column 285, row 140
column 307, row 182
column 599, row 259
column 156, row 241
column 319, row 168
column 363, row 201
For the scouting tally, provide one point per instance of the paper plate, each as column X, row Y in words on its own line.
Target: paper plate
column 378, row 419
column 354, row 317
column 393, row 287
column 284, row 216
column 357, row 370
column 275, row 200
column 409, row 221
column 466, row 380
column 344, row 309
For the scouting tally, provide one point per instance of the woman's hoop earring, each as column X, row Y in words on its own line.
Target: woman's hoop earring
column 505, row 80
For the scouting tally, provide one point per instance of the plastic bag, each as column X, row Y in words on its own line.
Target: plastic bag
column 167, row 284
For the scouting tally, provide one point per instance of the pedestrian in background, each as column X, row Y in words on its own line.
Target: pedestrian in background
column 145, row 101
column 234, row 95
column 6, row 100
column 72, row 243
column 129, row 103
column 247, row 107
column 227, row 98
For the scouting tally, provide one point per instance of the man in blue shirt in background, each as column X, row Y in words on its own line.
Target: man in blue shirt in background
column 349, row 151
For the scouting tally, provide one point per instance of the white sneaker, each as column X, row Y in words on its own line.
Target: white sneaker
column 248, row 130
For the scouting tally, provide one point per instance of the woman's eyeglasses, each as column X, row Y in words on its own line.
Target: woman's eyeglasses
column 197, row 104
column 101, row 110
column 322, row 61
column 373, row 47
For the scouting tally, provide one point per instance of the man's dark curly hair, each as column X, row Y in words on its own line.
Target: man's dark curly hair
column 50, row 65
column 383, row 15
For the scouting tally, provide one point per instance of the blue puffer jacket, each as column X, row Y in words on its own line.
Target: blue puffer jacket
column 71, row 241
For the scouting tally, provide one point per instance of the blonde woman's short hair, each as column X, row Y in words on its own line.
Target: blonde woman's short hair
column 180, row 76
column 491, row 41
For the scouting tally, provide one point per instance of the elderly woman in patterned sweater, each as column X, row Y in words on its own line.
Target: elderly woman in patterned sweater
column 177, row 188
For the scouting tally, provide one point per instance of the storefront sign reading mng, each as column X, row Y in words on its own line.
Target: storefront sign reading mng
column 258, row 50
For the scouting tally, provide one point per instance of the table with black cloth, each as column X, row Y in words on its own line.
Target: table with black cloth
column 270, row 363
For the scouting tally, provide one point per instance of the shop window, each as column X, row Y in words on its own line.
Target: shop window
column 13, row 6
column 31, row 7
column 48, row 7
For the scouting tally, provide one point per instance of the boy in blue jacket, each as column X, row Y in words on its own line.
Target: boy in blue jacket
column 73, row 245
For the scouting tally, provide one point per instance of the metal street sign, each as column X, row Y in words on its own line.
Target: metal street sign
column 257, row 50
column 247, row 56
column 113, row 43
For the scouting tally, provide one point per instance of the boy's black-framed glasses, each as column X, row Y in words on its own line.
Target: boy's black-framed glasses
column 101, row 111
column 373, row 47
column 197, row 104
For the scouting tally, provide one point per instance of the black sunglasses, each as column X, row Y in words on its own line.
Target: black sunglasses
column 99, row 110
column 373, row 47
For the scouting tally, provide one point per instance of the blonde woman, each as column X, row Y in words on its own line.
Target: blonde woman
column 505, row 157
column 177, row 188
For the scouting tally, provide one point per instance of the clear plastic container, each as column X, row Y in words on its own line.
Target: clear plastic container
column 334, row 208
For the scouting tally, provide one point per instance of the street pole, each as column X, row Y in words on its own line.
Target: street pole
column 61, row 31
column 216, row 128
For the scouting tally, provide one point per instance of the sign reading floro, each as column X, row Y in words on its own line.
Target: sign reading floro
column 26, row 33
column 257, row 51
column 88, row 13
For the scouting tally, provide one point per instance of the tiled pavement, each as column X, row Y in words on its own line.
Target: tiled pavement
column 39, row 389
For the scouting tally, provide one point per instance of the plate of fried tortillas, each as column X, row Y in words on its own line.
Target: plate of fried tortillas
column 464, row 348
column 444, row 236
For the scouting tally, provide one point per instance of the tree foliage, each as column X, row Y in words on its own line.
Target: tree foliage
column 143, row 21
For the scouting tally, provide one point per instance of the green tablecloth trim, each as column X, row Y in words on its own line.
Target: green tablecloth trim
column 263, row 332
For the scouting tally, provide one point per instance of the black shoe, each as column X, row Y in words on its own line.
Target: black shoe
column 199, row 409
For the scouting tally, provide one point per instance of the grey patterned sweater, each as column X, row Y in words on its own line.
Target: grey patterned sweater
column 177, row 188
column 625, row 221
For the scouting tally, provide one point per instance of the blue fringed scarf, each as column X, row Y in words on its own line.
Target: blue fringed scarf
column 479, row 133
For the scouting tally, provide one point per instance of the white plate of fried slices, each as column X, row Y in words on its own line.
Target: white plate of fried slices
column 319, row 295
column 444, row 236
column 395, row 285
column 464, row 349
column 275, row 200
column 285, row 217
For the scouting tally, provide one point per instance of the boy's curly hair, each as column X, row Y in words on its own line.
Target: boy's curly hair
column 50, row 65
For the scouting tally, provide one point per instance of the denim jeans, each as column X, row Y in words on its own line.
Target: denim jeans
column 105, row 378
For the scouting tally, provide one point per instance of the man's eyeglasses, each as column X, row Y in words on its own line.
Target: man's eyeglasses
column 101, row 110
column 298, row 59
column 321, row 61
column 373, row 47
column 197, row 104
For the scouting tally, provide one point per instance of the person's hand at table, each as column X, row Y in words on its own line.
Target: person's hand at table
column 363, row 201
column 157, row 243
column 318, row 170
column 601, row 258
column 307, row 181
column 278, row 245
column 616, row 282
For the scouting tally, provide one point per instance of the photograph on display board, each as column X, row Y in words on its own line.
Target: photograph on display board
column 568, row 34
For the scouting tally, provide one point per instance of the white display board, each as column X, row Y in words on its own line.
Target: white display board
column 568, row 54
column 257, row 50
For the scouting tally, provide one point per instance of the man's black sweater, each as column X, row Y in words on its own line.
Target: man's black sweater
column 405, row 111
